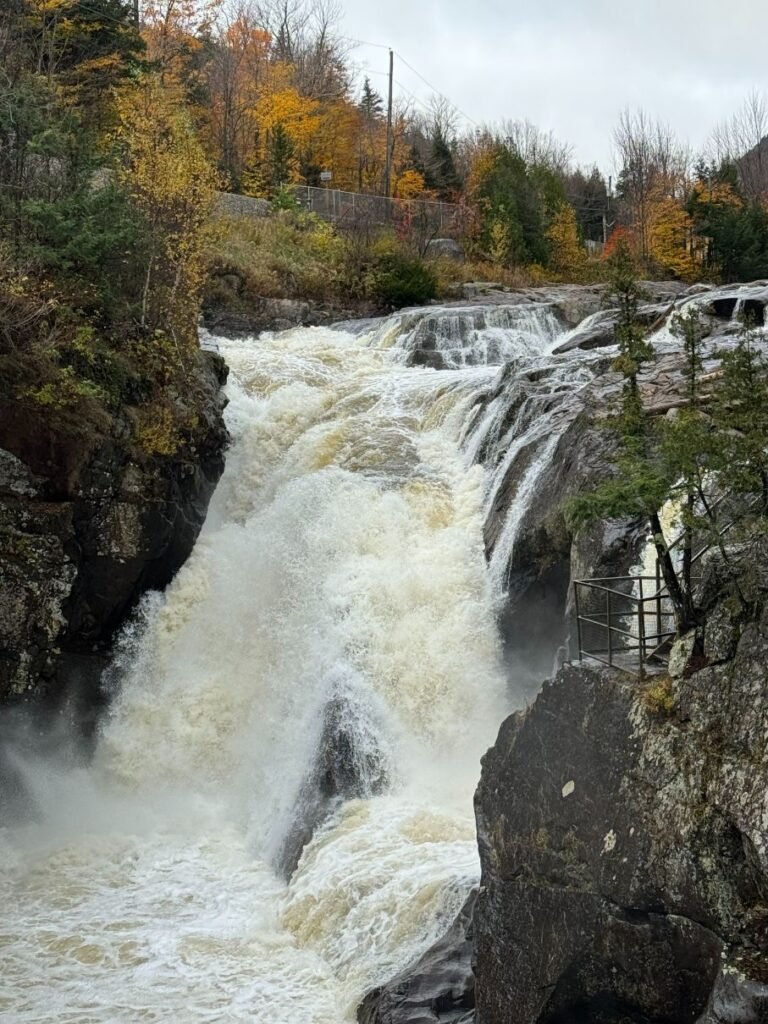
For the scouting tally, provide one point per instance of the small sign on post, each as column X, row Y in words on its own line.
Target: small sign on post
column 326, row 176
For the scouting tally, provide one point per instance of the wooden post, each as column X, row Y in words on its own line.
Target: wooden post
column 388, row 162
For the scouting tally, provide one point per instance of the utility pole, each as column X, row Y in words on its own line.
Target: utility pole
column 136, row 16
column 388, row 163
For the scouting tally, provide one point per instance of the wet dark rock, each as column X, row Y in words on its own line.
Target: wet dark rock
column 437, row 989
column 347, row 765
column 598, row 331
column 737, row 1000
column 87, row 524
column 624, row 850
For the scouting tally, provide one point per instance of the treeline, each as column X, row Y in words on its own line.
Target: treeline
column 271, row 89
column 115, row 136
column 105, row 194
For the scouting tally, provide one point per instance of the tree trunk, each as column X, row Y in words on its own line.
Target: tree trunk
column 685, row 617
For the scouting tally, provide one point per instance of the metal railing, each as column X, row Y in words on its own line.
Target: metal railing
column 625, row 622
column 352, row 208
column 628, row 622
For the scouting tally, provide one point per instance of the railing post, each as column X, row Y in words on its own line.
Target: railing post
column 641, row 633
column 578, row 618
column 608, row 623
column 658, row 602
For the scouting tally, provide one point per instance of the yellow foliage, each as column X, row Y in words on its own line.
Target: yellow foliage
column 659, row 696
column 282, row 104
column 670, row 236
column 568, row 254
column 170, row 180
column 410, row 184
column 157, row 432
column 717, row 193
column 333, row 145
column 172, row 30
column 500, row 249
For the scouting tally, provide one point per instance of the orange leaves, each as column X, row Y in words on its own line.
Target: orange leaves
column 172, row 31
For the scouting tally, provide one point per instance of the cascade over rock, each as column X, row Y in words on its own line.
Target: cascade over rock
column 439, row 988
column 276, row 816
column 348, row 765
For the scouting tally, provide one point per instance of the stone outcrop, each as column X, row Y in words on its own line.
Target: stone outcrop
column 348, row 765
column 624, row 847
column 269, row 314
column 439, row 988
column 88, row 522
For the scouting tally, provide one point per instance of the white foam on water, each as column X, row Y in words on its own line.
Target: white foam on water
column 343, row 553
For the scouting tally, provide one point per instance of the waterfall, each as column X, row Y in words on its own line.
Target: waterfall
column 278, row 813
column 339, row 588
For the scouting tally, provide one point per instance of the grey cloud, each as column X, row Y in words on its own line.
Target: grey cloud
column 572, row 66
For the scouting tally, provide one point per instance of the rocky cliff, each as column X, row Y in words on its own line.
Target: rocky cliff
column 88, row 522
column 623, row 832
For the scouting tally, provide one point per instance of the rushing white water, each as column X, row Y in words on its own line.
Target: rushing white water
column 342, row 561
column 342, row 566
column 341, row 578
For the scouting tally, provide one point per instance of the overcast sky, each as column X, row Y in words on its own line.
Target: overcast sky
column 572, row 65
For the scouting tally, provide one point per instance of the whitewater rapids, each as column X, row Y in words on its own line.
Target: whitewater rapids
column 343, row 554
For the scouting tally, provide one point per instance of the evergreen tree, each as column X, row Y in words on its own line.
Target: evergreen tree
column 645, row 478
column 441, row 174
column 281, row 156
column 371, row 104
column 742, row 414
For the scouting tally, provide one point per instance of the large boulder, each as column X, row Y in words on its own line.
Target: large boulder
column 448, row 248
column 439, row 988
column 347, row 764
column 623, row 835
column 88, row 522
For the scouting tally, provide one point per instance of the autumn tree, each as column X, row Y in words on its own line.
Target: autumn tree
column 305, row 36
column 54, row 210
column 567, row 254
column 653, row 167
column 235, row 74
column 172, row 185
column 515, row 202
column 731, row 230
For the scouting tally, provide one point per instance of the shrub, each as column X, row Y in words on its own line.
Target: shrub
column 401, row 280
column 659, row 697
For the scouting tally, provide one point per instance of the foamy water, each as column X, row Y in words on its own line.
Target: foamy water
column 342, row 559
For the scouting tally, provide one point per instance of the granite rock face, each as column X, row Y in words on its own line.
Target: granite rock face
column 438, row 989
column 624, row 850
column 87, row 524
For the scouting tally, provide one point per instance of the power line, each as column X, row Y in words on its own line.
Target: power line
column 439, row 92
column 436, row 90
column 363, row 42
